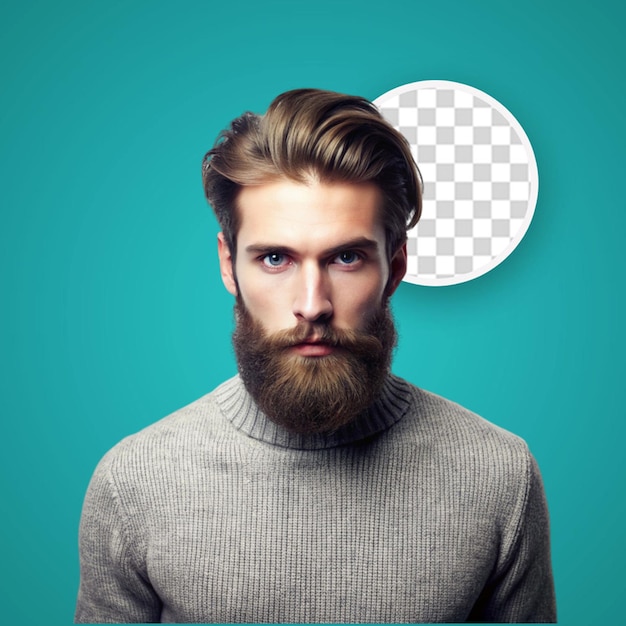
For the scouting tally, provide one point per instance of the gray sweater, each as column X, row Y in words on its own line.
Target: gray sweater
column 419, row 511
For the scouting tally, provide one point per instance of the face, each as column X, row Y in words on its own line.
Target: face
column 314, row 334
column 311, row 253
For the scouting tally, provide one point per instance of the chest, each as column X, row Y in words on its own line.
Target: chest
column 325, row 541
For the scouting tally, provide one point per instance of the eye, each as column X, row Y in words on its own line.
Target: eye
column 274, row 259
column 349, row 257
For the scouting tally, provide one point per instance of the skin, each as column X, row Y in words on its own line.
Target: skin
column 311, row 252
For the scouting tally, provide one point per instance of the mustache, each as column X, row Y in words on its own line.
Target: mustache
column 360, row 343
column 363, row 343
column 305, row 332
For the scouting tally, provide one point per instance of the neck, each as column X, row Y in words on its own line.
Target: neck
column 240, row 409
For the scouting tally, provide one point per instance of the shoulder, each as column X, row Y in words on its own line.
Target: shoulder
column 196, row 419
column 445, row 423
column 183, row 435
column 464, row 447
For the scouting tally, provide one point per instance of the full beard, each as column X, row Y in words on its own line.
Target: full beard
column 314, row 394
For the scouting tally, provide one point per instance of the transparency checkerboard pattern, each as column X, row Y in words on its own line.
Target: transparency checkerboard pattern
column 480, row 179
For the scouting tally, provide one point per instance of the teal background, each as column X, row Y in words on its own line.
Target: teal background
column 113, row 313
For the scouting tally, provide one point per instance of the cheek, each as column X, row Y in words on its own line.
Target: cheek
column 355, row 303
column 267, row 304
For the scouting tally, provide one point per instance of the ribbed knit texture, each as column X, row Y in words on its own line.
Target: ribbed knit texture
column 419, row 511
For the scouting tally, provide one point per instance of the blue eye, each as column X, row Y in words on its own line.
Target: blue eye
column 348, row 257
column 274, row 259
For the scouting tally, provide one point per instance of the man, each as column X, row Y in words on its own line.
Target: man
column 315, row 486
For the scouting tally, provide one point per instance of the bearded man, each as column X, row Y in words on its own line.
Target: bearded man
column 315, row 486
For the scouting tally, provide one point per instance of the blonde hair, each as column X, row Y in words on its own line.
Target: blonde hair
column 310, row 133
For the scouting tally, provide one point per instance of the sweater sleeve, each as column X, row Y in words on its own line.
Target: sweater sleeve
column 522, row 588
column 114, row 587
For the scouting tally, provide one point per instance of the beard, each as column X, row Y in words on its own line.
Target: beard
column 314, row 394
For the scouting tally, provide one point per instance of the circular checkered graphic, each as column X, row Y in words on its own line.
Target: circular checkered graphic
column 480, row 179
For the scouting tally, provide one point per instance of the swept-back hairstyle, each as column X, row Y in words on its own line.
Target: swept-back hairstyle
column 312, row 134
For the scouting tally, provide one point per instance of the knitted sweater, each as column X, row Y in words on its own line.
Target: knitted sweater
column 419, row 511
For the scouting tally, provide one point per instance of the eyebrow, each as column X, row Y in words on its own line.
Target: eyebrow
column 362, row 243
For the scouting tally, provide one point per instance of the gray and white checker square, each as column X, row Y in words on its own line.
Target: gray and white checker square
column 480, row 179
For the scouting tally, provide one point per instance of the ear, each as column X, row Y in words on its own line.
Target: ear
column 226, row 265
column 397, row 269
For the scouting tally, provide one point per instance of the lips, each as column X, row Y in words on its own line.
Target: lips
column 313, row 348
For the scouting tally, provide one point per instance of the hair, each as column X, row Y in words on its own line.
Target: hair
column 321, row 135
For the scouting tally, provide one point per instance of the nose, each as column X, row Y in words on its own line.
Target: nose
column 312, row 301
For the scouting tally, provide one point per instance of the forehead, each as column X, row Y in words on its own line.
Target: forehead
column 305, row 215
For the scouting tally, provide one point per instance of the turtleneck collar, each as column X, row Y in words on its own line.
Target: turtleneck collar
column 240, row 409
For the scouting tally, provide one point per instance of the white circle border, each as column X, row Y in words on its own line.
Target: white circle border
column 532, row 168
